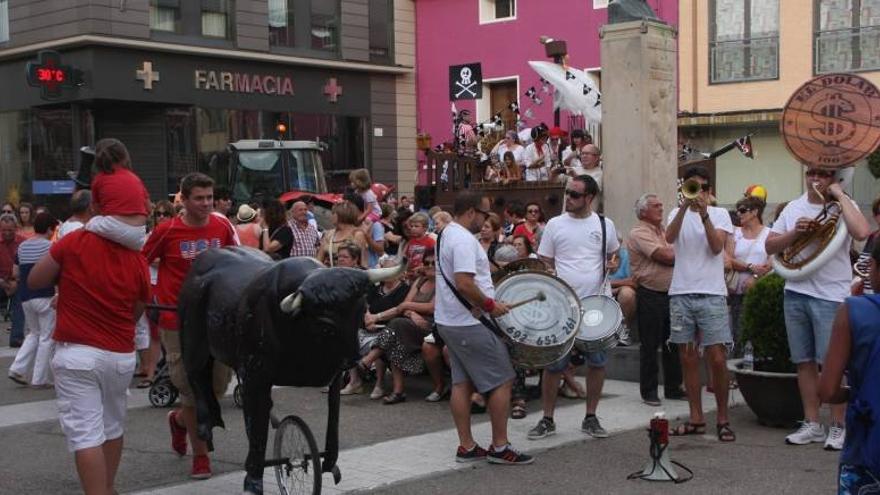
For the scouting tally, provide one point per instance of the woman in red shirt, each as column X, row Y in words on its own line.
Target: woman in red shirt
column 102, row 288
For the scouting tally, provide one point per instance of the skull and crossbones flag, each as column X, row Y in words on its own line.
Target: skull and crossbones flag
column 744, row 145
column 465, row 82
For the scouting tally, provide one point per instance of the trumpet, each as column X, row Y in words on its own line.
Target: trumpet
column 691, row 188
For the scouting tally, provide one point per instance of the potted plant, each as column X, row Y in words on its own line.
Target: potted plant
column 770, row 389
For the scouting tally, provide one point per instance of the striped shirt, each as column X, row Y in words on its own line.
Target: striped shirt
column 29, row 253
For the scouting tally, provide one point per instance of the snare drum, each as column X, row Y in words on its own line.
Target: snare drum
column 540, row 332
column 600, row 323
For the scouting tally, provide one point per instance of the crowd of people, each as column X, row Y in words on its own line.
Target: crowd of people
column 77, row 292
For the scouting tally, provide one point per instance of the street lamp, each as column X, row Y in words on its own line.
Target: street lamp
column 557, row 50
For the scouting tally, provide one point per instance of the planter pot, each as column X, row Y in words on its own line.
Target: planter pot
column 773, row 397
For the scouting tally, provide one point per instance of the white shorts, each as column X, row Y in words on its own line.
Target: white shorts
column 116, row 230
column 142, row 333
column 91, row 386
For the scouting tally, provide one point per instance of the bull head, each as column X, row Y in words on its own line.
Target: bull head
column 324, row 280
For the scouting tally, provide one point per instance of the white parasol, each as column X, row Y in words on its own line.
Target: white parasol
column 575, row 90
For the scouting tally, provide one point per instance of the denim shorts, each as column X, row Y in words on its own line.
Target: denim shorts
column 703, row 313
column 808, row 322
column 594, row 360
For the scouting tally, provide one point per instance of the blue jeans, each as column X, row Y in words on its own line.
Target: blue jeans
column 16, row 335
column 808, row 322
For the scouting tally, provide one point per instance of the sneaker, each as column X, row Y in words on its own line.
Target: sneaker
column 836, row 433
column 352, row 389
column 17, row 378
column 201, row 468
column 807, row 433
column 178, row 434
column 591, row 427
column 544, row 428
column 437, row 396
column 623, row 338
column 652, row 400
column 508, row 456
column 476, row 453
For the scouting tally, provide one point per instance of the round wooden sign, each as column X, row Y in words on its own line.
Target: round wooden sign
column 832, row 121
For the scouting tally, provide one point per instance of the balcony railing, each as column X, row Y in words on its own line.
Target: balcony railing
column 744, row 60
column 849, row 49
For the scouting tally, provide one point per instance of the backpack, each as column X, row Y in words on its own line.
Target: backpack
column 863, row 411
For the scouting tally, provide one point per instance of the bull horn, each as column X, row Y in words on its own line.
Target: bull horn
column 292, row 302
column 377, row 275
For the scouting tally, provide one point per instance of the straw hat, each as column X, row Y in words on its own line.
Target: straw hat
column 245, row 214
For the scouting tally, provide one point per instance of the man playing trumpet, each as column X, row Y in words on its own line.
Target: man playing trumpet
column 810, row 303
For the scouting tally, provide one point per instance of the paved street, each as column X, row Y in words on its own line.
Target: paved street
column 408, row 448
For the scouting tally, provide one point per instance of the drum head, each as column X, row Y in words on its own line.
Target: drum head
column 526, row 264
column 544, row 323
column 602, row 317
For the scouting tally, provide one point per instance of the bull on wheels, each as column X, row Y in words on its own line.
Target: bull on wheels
column 287, row 323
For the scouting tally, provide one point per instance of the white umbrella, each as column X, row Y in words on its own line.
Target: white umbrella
column 575, row 90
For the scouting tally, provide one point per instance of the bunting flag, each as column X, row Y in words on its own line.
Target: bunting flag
column 744, row 144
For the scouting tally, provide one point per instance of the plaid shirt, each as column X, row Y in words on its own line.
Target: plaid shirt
column 305, row 240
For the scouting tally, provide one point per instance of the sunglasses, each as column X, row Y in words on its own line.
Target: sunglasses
column 9, row 211
column 166, row 214
column 819, row 173
column 533, row 210
column 743, row 211
column 575, row 194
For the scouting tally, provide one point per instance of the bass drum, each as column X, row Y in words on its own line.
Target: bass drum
column 540, row 332
column 599, row 325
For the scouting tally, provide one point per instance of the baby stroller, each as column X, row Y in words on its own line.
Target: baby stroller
column 162, row 392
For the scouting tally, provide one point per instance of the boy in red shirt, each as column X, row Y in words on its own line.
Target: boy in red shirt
column 417, row 244
column 120, row 200
column 176, row 244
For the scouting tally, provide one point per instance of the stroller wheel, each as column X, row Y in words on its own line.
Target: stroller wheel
column 162, row 394
column 236, row 396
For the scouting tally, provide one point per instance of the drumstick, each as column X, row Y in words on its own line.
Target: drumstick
column 537, row 297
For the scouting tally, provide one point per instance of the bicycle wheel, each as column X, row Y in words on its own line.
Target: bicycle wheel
column 301, row 474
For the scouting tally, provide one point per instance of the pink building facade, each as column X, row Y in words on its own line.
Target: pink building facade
column 455, row 32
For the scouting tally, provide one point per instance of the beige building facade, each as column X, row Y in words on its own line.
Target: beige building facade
column 740, row 61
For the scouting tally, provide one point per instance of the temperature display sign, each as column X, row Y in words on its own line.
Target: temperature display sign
column 48, row 74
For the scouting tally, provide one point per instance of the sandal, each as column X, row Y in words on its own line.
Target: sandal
column 725, row 434
column 518, row 411
column 145, row 383
column 688, row 428
column 394, row 398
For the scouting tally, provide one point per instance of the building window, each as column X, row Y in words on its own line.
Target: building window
column 4, row 21
column 281, row 22
column 381, row 27
column 848, row 35
column 324, row 25
column 165, row 15
column 600, row 4
column 497, row 10
column 216, row 17
column 745, row 40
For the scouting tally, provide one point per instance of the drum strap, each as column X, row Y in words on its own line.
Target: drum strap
column 604, row 246
column 488, row 323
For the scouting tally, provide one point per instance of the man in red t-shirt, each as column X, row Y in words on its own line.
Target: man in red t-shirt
column 176, row 244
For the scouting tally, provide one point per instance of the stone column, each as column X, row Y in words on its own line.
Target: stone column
column 639, row 117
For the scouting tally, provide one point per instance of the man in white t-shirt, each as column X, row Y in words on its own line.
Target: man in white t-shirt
column 810, row 304
column 572, row 244
column 478, row 358
column 699, row 234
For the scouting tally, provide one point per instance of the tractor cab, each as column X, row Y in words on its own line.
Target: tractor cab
column 263, row 168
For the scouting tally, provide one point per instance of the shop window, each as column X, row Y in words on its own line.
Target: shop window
column 381, row 27
column 281, row 22
column 497, row 10
column 847, row 36
column 4, row 21
column 165, row 15
column 744, row 45
column 324, row 25
column 216, row 17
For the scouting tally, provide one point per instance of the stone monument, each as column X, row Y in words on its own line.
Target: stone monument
column 639, row 116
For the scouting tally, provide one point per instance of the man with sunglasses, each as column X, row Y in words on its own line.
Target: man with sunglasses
column 572, row 245
column 810, row 304
column 699, row 234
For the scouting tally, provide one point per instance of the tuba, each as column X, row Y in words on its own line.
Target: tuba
column 812, row 249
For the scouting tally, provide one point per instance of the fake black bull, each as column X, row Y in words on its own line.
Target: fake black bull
column 288, row 323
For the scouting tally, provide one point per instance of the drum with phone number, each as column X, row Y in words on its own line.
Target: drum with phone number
column 600, row 324
column 540, row 332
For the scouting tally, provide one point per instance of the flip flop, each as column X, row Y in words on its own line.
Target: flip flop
column 518, row 412
column 725, row 433
column 144, row 383
column 688, row 428
column 394, row 398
